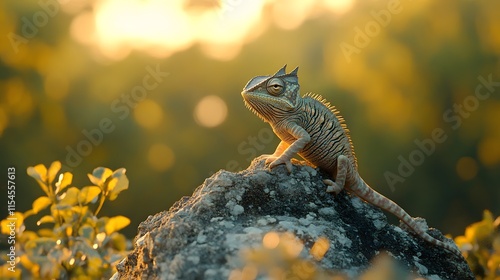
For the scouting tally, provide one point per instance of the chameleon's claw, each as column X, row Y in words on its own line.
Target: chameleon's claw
column 332, row 186
column 279, row 161
column 273, row 161
column 269, row 159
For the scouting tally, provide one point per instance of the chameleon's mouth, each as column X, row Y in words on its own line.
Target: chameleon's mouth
column 264, row 103
column 247, row 101
column 245, row 94
column 252, row 107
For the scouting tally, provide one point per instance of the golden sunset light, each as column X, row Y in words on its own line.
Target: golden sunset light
column 162, row 28
column 249, row 139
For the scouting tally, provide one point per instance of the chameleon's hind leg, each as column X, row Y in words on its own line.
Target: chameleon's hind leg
column 342, row 169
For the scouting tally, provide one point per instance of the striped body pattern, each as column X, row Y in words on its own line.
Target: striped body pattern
column 329, row 135
column 311, row 127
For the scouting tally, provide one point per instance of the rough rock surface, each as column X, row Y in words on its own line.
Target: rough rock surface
column 202, row 236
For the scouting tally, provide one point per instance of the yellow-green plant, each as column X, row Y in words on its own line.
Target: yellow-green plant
column 480, row 246
column 281, row 257
column 77, row 244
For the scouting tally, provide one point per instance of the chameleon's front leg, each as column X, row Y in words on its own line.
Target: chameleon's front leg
column 284, row 153
column 282, row 146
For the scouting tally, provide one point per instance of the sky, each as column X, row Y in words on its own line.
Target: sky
column 161, row 28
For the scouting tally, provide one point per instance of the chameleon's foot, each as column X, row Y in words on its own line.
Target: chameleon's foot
column 274, row 161
column 342, row 170
column 332, row 186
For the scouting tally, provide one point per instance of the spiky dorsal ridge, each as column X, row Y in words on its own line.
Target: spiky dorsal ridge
column 339, row 117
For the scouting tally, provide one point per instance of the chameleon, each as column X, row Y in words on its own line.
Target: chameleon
column 314, row 129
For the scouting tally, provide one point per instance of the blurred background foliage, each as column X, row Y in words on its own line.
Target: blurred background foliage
column 74, row 87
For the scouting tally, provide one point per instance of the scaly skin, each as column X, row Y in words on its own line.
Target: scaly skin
column 311, row 127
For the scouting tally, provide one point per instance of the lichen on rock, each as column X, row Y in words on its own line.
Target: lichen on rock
column 218, row 231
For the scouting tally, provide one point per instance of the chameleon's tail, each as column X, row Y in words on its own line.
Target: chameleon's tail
column 367, row 193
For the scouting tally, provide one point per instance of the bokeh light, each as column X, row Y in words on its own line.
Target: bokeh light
column 165, row 27
column 141, row 24
column 489, row 151
column 467, row 168
column 56, row 85
column 160, row 157
column 148, row 114
column 82, row 28
column 296, row 12
column 210, row 111
column 271, row 240
column 320, row 248
column 339, row 6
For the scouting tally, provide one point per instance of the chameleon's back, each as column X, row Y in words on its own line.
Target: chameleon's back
column 329, row 135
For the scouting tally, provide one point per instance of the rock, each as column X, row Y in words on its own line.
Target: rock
column 259, row 222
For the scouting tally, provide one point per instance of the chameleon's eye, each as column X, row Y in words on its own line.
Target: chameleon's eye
column 275, row 86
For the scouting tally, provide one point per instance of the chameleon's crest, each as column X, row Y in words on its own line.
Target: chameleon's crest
column 259, row 81
column 292, row 76
column 294, row 72
column 281, row 72
column 339, row 117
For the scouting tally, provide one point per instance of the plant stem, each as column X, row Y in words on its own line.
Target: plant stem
column 101, row 203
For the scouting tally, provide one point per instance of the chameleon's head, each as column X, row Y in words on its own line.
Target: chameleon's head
column 272, row 96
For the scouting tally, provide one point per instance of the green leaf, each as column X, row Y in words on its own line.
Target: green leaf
column 80, row 210
column 90, row 220
column 29, row 213
column 87, row 232
column 6, row 225
column 41, row 203
column 116, row 223
column 101, row 224
column 59, row 255
column 46, row 232
column 63, row 230
column 118, row 184
column 45, row 219
column 64, row 181
column 59, row 206
column 53, row 170
column 87, row 194
column 94, row 265
column 70, row 197
column 27, row 236
column 93, row 262
column 39, row 173
column 39, row 246
column 118, row 241
column 99, row 176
